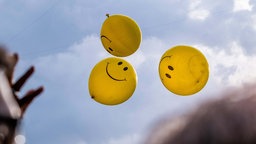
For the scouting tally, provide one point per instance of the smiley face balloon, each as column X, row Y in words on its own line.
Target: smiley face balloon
column 120, row 35
column 112, row 81
column 183, row 70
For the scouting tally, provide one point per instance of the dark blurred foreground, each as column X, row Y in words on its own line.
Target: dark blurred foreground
column 230, row 119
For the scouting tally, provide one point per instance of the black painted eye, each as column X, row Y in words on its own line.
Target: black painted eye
column 119, row 63
column 125, row 68
column 168, row 76
column 170, row 68
column 110, row 49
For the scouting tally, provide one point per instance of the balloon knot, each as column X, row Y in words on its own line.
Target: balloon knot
column 107, row 15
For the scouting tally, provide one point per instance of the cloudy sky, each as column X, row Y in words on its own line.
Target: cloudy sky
column 61, row 39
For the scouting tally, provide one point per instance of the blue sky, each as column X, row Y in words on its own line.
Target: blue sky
column 61, row 38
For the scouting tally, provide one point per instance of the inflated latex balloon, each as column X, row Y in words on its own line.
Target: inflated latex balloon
column 112, row 81
column 183, row 70
column 120, row 35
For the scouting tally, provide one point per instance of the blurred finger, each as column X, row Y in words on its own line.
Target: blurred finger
column 12, row 61
column 20, row 82
column 28, row 98
column 15, row 59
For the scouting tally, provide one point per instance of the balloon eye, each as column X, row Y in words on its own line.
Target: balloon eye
column 119, row 63
column 170, row 68
column 110, row 49
column 167, row 75
column 125, row 68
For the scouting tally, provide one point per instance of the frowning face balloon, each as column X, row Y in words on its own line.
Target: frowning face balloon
column 112, row 81
column 120, row 35
column 183, row 70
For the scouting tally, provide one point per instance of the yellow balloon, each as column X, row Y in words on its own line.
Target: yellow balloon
column 120, row 35
column 112, row 81
column 183, row 70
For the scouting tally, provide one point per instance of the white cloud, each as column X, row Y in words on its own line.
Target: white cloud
column 199, row 14
column 240, row 5
column 231, row 66
column 136, row 59
column 83, row 55
column 194, row 4
column 127, row 139
column 253, row 24
column 79, row 58
column 196, row 12
column 150, row 50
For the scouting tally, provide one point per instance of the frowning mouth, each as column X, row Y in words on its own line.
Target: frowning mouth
column 112, row 76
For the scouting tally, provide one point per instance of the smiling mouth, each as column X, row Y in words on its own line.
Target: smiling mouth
column 110, row 50
column 169, row 67
column 113, row 77
column 165, row 57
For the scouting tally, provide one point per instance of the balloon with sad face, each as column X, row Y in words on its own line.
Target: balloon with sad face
column 120, row 35
column 183, row 70
column 112, row 81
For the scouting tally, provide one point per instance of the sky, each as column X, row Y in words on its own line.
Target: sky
column 61, row 39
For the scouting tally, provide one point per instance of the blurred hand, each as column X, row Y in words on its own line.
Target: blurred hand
column 25, row 100
column 8, row 61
